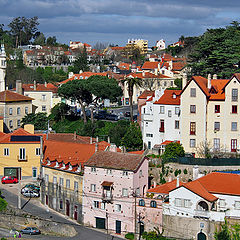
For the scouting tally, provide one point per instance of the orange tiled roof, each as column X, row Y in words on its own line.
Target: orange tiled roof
column 137, row 152
column 150, row 65
column 40, row 87
column 177, row 66
column 167, row 98
column 83, row 75
column 147, row 75
column 217, row 90
column 9, row 96
column 146, row 94
column 165, row 188
column 167, row 142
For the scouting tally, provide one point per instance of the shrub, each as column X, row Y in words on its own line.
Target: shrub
column 129, row 236
column 185, row 171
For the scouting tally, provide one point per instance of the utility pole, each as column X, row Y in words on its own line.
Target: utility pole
column 135, row 212
column 107, row 224
column 19, row 194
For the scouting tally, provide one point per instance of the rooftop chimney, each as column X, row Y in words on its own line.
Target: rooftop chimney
column 113, row 148
column 109, row 140
column 177, row 185
column 45, row 84
column 19, row 87
column 215, row 76
column 34, row 85
column 209, row 81
column 96, row 147
column 70, row 74
column 90, row 140
column 184, row 80
column 75, row 136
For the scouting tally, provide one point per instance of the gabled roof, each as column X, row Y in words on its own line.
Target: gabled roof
column 165, row 188
column 40, row 88
column 168, row 97
column 147, row 75
column 150, row 65
column 177, row 66
column 217, row 90
column 9, row 96
column 146, row 94
column 114, row 160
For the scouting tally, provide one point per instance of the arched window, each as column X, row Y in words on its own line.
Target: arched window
column 153, row 204
column 141, row 202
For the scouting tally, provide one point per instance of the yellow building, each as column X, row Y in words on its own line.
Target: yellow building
column 138, row 43
column 20, row 153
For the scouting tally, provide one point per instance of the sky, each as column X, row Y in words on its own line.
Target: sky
column 116, row 21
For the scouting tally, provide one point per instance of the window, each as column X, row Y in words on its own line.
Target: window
column 54, row 180
column 149, row 145
column 96, row 204
column 233, row 145
column 169, row 113
column 10, row 111
column 162, row 109
column 125, row 192
column 216, row 126
column 93, row 187
column 237, row 205
column 44, row 108
column 46, row 178
column 44, row 97
column 234, row 126
column 216, row 143
column 138, row 191
column 192, row 143
column 217, row 108
column 18, row 111
column 192, row 128
column 178, row 202
column 6, row 151
column 18, row 122
column 67, row 183
column 153, row 204
column 10, row 123
column 34, row 172
column 221, row 203
column 192, row 108
column 125, row 173
column 103, row 205
column 234, row 108
column 61, row 204
column 193, row 92
column 61, row 182
column 161, row 129
column 141, row 203
column 93, row 169
column 75, row 186
column 149, row 135
column 26, row 110
column 187, row 203
column 177, row 110
column 22, row 154
column 176, row 124
column 118, row 208
column 109, row 171
column 234, row 95
column 38, row 152
column 140, row 173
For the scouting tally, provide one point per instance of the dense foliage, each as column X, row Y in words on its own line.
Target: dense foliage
column 173, row 150
column 228, row 232
column 39, row 120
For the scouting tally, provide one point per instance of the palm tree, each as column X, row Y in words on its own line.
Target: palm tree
column 131, row 82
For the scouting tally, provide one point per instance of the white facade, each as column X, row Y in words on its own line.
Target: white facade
column 3, row 65
column 160, row 45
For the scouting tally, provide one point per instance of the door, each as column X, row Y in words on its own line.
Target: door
column 46, row 199
column 201, row 236
column 100, row 223
column 67, row 208
column 118, row 227
column 76, row 212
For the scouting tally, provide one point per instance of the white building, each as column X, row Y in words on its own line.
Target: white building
column 209, row 199
column 3, row 65
column 160, row 118
column 160, row 44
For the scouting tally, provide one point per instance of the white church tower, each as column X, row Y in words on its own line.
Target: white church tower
column 3, row 65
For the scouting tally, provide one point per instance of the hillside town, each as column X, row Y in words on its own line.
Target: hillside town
column 125, row 141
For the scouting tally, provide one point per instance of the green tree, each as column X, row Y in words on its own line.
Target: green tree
column 131, row 82
column 178, row 83
column 40, row 39
column 173, row 150
column 153, row 235
column 76, row 91
column 132, row 139
column 59, row 111
column 3, row 204
column 51, row 41
column 39, row 120
column 81, row 62
column 224, row 233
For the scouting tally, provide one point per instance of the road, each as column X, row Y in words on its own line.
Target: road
column 125, row 109
column 35, row 208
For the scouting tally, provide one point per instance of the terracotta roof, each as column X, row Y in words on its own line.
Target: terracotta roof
column 177, row 66
column 107, row 184
column 167, row 98
column 113, row 160
column 84, row 75
column 217, row 90
column 147, row 75
column 146, row 94
column 167, row 142
column 150, row 65
column 165, row 188
column 137, row 152
column 117, row 48
column 40, row 87
column 9, row 96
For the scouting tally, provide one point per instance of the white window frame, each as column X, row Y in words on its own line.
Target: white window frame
column 38, row 151
column 22, row 154
column 76, row 186
column 162, row 109
column 125, row 192
column 191, row 143
column 26, row 110
column 6, row 151
column 61, row 181
column 10, row 111
column 193, row 92
column 118, row 207
column 34, row 171
column 44, row 108
column 234, row 126
column 93, row 187
column 68, row 183
column 169, row 113
column 177, row 110
column 18, row 111
column 93, row 169
column 125, row 173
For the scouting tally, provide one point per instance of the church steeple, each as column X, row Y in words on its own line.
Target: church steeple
column 3, row 65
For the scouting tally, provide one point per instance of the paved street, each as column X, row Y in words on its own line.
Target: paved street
column 34, row 207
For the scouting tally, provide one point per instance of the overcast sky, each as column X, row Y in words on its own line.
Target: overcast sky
column 115, row 21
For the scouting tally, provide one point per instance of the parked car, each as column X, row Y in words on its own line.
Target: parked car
column 101, row 114
column 9, row 179
column 30, row 230
column 31, row 193
column 127, row 114
column 30, row 187
column 112, row 117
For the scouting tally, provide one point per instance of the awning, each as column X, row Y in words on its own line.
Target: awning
column 107, row 184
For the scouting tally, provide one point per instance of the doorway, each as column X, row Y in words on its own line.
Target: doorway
column 118, row 227
column 75, row 212
column 201, row 236
column 67, row 208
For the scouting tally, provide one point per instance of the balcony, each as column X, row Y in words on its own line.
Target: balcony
column 22, row 159
column 147, row 117
column 201, row 214
column 161, row 129
column 107, row 197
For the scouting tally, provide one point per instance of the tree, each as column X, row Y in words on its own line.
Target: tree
column 39, row 120
column 132, row 139
column 51, row 41
column 173, row 150
column 3, row 204
column 131, row 82
column 81, row 62
column 39, row 39
column 178, row 83
column 76, row 91
column 154, row 235
column 224, row 233
column 59, row 111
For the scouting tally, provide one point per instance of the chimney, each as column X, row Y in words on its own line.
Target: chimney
column 81, row 71
column 96, row 147
column 29, row 128
column 113, row 148
column 19, row 87
column 195, row 172
column 97, row 139
column 70, row 74
column 90, row 140
column 34, row 85
column 109, row 140
column 177, row 185
column 143, row 74
column 75, row 136
column 184, row 80
column 45, row 84
column 209, row 81
column 214, row 76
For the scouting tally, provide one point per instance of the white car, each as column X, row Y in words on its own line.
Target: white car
column 31, row 193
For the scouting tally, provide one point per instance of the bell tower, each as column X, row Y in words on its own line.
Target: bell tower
column 3, row 65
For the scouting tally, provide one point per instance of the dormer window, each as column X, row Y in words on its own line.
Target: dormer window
column 174, row 95
column 70, row 167
column 125, row 173
column 93, row 169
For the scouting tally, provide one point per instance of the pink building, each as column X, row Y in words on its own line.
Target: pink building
column 112, row 183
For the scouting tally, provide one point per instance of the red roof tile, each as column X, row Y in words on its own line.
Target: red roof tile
column 165, row 188
column 150, row 65
column 137, row 152
column 9, row 96
column 146, row 94
column 168, row 98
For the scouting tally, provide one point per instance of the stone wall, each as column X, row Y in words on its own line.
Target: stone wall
column 18, row 219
